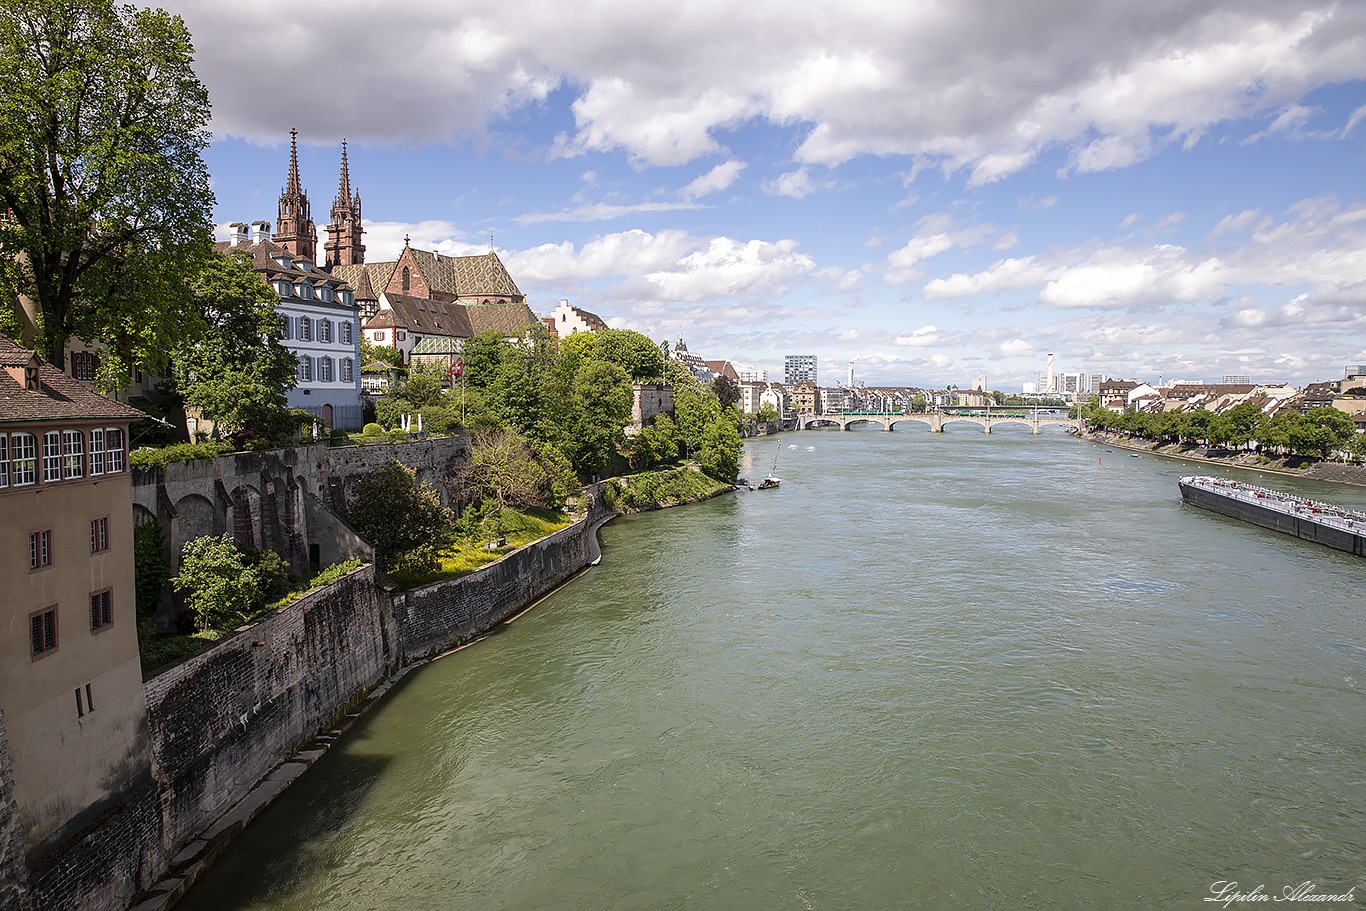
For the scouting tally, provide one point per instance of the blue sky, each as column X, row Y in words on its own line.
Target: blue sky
column 1158, row 189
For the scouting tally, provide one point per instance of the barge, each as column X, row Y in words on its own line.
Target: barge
column 1312, row 520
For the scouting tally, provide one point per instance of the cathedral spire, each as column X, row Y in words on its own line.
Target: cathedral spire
column 293, row 188
column 294, row 228
column 344, row 189
column 344, row 247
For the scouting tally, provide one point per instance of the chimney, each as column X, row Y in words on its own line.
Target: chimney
column 260, row 231
column 237, row 234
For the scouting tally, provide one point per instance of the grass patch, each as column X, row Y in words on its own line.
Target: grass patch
column 659, row 489
column 459, row 555
column 158, row 650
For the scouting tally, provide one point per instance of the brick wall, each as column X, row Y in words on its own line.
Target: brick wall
column 225, row 717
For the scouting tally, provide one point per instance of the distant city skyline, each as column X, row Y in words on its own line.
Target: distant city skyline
column 933, row 193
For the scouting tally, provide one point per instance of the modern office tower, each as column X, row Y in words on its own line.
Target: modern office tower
column 799, row 368
column 979, row 383
column 1235, row 379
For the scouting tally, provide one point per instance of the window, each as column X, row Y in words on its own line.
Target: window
column 42, row 626
column 113, row 449
column 405, row 278
column 52, row 456
column 101, row 614
column 89, row 705
column 99, row 534
column 73, row 451
column 346, row 367
column 305, row 329
column 23, row 459
column 31, row 380
column 4, row 460
column 83, row 365
column 346, row 332
column 305, row 368
column 379, row 336
column 39, row 549
column 399, row 336
column 304, row 290
column 324, row 330
column 284, row 289
column 324, row 369
column 96, row 452
column 289, row 328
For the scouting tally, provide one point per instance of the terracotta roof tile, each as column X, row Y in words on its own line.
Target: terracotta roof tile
column 58, row 398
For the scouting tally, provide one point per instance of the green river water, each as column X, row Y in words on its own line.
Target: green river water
column 948, row 670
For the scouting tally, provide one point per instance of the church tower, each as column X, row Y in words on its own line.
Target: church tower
column 344, row 232
column 294, row 229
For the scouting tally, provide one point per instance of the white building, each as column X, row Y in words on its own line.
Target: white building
column 567, row 320
column 322, row 327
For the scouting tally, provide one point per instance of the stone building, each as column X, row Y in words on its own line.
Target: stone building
column 70, row 677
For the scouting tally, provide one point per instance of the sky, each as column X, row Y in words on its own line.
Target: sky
column 1151, row 190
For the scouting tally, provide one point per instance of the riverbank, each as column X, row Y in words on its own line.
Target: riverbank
column 1293, row 466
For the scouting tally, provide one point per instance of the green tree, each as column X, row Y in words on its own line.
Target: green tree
column 151, row 571
column 237, row 370
column 515, row 472
column 102, row 126
column 422, row 390
column 719, row 455
column 600, row 409
column 215, row 582
column 768, row 413
column 726, row 390
column 402, row 518
column 371, row 353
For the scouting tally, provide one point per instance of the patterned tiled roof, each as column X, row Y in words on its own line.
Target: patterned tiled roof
column 465, row 276
column 58, row 398
column 505, row 319
column 436, row 344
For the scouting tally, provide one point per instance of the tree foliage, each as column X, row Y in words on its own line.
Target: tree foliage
column 1321, row 433
column 102, row 125
column 513, row 471
column 237, row 370
column 402, row 518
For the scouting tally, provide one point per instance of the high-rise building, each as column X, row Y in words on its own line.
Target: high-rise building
column 1235, row 379
column 799, row 368
column 979, row 383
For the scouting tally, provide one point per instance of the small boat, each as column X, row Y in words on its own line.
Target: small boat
column 771, row 481
column 1133, row 455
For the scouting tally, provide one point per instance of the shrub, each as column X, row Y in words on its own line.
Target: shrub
column 214, row 580
column 436, row 419
column 151, row 571
column 372, row 430
column 399, row 516
column 180, row 452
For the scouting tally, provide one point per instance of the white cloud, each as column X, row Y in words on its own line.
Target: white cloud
column 937, row 235
column 729, row 268
column 715, row 180
column 1005, row 275
column 973, row 85
column 923, row 337
column 796, row 184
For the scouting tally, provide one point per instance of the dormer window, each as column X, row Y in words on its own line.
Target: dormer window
column 31, row 375
column 285, row 289
column 304, row 290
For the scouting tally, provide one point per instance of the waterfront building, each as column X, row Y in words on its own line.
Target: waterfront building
column 807, row 398
column 70, row 676
column 799, row 368
column 694, row 364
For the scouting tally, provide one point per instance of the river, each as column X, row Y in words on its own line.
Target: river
column 947, row 670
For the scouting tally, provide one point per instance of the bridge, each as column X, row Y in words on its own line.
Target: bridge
column 935, row 419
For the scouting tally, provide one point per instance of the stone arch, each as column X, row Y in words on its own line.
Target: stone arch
column 246, row 517
column 197, row 518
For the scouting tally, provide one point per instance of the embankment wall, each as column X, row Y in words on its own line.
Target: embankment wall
column 223, row 719
column 226, row 716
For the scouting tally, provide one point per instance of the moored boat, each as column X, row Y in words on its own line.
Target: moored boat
column 1311, row 520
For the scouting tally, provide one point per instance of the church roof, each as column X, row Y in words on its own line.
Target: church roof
column 465, row 276
column 425, row 317
column 358, row 276
column 506, row 319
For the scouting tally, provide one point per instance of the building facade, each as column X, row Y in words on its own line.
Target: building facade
column 799, row 368
column 70, row 675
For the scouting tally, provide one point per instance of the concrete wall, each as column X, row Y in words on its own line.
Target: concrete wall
column 225, row 717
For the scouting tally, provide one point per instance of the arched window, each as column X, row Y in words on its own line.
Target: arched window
column 305, row 329
column 324, row 330
column 405, row 278
column 346, row 332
